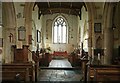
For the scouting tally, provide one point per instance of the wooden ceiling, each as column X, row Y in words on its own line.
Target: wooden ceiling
column 72, row 8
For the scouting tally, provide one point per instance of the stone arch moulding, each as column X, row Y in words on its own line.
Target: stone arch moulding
column 91, row 13
column 9, row 29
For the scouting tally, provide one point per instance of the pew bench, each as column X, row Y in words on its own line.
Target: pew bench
column 25, row 70
column 15, row 76
column 103, row 73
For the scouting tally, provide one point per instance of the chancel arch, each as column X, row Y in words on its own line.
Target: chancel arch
column 27, row 15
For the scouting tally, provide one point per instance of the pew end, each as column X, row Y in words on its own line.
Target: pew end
column 103, row 73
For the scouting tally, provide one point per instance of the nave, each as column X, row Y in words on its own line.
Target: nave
column 33, row 34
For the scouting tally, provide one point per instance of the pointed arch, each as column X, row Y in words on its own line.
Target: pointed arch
column 60, row 30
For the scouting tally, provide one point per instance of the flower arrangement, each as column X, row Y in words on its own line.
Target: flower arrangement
column 48, row 50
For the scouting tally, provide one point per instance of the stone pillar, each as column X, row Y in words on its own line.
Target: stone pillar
column 90, row 40
column 108, row 33
column 108, row 45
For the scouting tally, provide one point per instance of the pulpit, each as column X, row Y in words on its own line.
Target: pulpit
column 20, row 55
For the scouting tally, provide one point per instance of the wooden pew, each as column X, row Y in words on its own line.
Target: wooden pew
column 11, row 75
column 26, row 71
column 73, row 59
column 103, row 73
column 35, row 57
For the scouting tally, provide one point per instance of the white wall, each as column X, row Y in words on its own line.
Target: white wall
column 72, row 30
column 36, row 25
column 83, row 24
column 19, row 12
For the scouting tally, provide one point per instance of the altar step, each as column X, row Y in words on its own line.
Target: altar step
column 61, row 68
column 58, row 57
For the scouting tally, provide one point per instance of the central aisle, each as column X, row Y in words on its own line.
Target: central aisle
column 60, row 71
column 51, row 75
column 62, row 63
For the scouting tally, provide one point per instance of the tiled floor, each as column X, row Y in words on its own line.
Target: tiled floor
column 60, row 63
column 60, row 75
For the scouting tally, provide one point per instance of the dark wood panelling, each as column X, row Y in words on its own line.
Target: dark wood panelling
column 21, row 55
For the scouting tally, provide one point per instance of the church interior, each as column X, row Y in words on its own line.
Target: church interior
column 59, row 42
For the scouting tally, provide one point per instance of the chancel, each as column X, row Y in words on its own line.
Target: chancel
column 60, row 41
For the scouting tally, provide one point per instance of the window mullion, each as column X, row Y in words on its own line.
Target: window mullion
column 60, row 31
column 57, row 33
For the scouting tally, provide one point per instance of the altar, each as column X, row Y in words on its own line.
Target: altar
column 60, row 53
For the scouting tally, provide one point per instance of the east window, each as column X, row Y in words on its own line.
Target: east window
column 59, row 30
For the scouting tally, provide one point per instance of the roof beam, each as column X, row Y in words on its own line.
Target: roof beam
column 70, row 8
column 59, row 9
column 49, row 7
column 76, row 12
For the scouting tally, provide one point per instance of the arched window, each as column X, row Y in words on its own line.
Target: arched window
column 59, row 30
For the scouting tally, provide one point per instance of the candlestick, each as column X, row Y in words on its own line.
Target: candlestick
column 98, row 56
